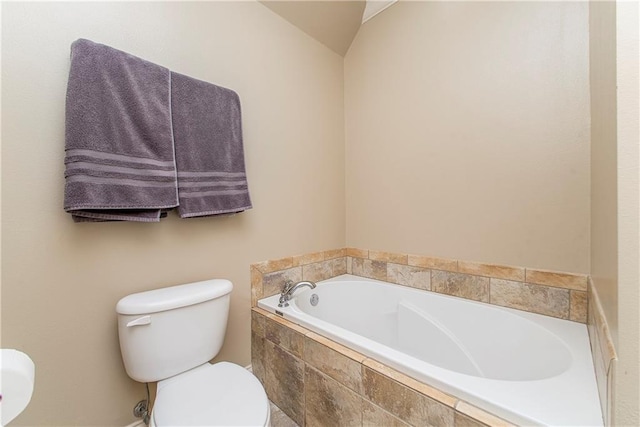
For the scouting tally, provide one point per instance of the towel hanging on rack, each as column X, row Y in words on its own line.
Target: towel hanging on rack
column 141, row 140
column 119, row 152
column 209, row 151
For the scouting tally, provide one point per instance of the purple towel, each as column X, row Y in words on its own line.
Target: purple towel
column 207, row 131
column 120, row 162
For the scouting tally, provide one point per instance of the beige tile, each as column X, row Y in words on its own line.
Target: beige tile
column 606, row 345
column 286, row 323
column 256, row 286
column 337, row 366
column 404, row 402
column 284, row 381
column 279, row 418
column 358, row 253
column 601, row 381
column 257, row 323
column 491, row 270
column 388, row 257
column 308, row 258
column 407, row 381
column 274, row 265
column 345, row 351
column 460, row 285
column 261, row 311
column 374, row 416
column 556, row 279
column 480, row 415
column 533, row 298
column 578, row 306
column 258, row 356
column 338, row 266
column 464, row 421
column 272, row 282
column 371, row 269
column 335, row 253
column 601, row 327
column 328, row 403
column 433, row 263
column 285, row 337
column 407, row 275
column 611, row 394
column 317, row 271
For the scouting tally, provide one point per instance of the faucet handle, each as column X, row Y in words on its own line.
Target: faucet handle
column 286, row 286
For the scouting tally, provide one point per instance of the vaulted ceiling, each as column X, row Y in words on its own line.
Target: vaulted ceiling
column 333, row 23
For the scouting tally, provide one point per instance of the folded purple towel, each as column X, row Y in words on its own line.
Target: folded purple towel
column 120, row 162
column 207, row 131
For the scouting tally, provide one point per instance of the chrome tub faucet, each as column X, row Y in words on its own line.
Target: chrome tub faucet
column 289, row 288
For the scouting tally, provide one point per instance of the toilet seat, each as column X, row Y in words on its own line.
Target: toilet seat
column 221, row 394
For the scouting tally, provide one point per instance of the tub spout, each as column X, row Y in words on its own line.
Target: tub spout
column 289, row 288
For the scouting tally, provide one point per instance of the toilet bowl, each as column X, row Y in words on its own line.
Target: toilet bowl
column 169, row 335
column 222, row 394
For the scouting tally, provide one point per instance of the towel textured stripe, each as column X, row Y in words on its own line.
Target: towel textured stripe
column 209, row 149
column 119, row 158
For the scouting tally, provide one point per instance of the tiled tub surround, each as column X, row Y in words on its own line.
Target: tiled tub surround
column 318, row 382
column 561, row 295
column 527, row 368
column 558, row 294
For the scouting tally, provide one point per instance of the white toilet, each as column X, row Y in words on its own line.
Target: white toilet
column 169, row 335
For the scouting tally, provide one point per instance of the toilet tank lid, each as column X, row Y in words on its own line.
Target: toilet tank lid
column 173, row 297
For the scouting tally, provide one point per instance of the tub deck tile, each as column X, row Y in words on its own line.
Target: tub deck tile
column 258, row 356
column 343, row 350
column 284, row 381
column 388, row 257
column 274, row 265
column 358, row 253
column 406, row 275
column 578, row 306
column 375, row 416
column 433, row 263
column 557, row 279
column 407, row 381
column 368, row 268
column 284, row 336
column 460, row 285
column 279, row 418
column 256, row 286
column 338, row 266
column 481, row 416
column 533, row 298
column 329, row 403
column 460, row 420
column 492, row 270
column 404, row 402
column 335, row 253
column 317, row 271
column 341, row 368
column 308, row 258
column 272, row 282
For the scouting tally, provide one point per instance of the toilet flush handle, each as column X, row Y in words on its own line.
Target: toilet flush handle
column 144, row 320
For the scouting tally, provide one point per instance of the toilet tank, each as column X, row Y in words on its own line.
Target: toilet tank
column 167, row 331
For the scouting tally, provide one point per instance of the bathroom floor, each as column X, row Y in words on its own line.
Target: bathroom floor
column 279, row 418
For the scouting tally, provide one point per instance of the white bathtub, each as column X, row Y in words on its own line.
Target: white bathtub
column 526, row 368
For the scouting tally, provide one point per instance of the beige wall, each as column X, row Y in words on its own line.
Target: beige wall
column 604, row 203
column 627, row 374
column 60, row 280
column 467, row 133
column 604, row 172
